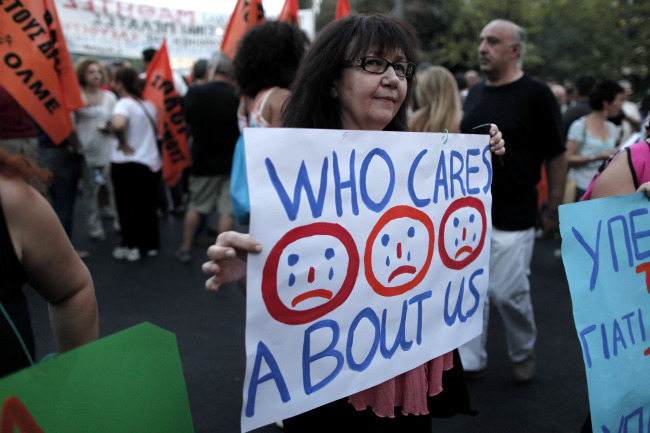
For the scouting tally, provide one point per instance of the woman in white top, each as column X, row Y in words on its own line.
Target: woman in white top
column 97, row 141
column 592, row 138
column 135, row 168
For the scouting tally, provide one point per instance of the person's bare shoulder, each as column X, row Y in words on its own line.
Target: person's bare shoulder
column 275, row 105
column 615, row 180
column 18, row 201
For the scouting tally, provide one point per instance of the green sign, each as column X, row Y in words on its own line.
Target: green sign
column 130, row 381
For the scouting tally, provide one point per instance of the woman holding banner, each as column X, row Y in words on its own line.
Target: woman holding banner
column 357, row 75
column 135, row 168
column 626, row 172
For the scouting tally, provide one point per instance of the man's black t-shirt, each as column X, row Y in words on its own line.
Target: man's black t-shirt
column 529, row 118
column 211, row 111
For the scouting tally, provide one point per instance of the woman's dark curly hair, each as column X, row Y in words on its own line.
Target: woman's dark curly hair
column 312, row 104
column 605, row 90
column 267, row 56
column 128, row 77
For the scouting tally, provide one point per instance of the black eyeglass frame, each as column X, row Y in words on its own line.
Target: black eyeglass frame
column 409, row 67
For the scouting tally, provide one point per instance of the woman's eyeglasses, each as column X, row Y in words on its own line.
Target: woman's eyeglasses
column 377, row 65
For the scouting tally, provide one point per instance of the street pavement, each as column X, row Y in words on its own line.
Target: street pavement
column 210, row 334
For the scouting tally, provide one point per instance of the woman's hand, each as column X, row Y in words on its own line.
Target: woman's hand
column 605, row 154
column 228, row 259
column 645, row 188
column 497, row 144
column 105, row 128
column 125, row 148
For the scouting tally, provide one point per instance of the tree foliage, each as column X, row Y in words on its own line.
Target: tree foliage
column 566, row 38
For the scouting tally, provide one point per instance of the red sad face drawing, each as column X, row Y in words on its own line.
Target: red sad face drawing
column 462, row 233
column 399, row 251
column 310, row 272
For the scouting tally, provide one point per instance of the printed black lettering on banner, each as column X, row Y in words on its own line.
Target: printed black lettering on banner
column 133, row 24
column 34, row 29
column 5, row 39
column 174, row 113
column 120, row 9
column 26, row 75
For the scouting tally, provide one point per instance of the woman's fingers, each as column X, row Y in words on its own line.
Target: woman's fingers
column 228, row 259
column 497, row 144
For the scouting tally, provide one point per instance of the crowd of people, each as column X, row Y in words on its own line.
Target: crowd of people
column 360, row 73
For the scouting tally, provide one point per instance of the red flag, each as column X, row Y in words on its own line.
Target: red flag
column 289, row 12
column 247, row 14
column 159, row 89
column 36, row 68
column 342, row 9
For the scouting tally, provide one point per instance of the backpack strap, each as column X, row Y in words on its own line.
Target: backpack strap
column 633, row 168
column 638, row 160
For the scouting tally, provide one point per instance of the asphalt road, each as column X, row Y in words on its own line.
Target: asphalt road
column 210, row 334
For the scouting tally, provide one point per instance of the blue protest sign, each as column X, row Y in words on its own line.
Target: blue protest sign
column 606, row 254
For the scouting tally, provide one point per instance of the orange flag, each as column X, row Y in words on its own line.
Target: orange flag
column 289, row 12
column 247, row 14
column 159, row 89
column 342, row 9
column 35, row 65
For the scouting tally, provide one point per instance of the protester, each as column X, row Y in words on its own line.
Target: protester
column 135, row 168
column 200, row 72
column 35, row 249
column 358, row 75
column 266, row 62
column 17, row 131
column 560, row 95
column 97, row 141
column 439, row 100
column 64, row 161
column 529, row 117
column 171, row 198
column 584, row 85
column 471, row 78
column 644, row 107
column 627, row 172
column 461, row 83
column 628, row 120
column 211, row 112
column 592, row 138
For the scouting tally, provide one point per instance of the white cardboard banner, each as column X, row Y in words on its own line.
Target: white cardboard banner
column 122, row 29
column 375, row 260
